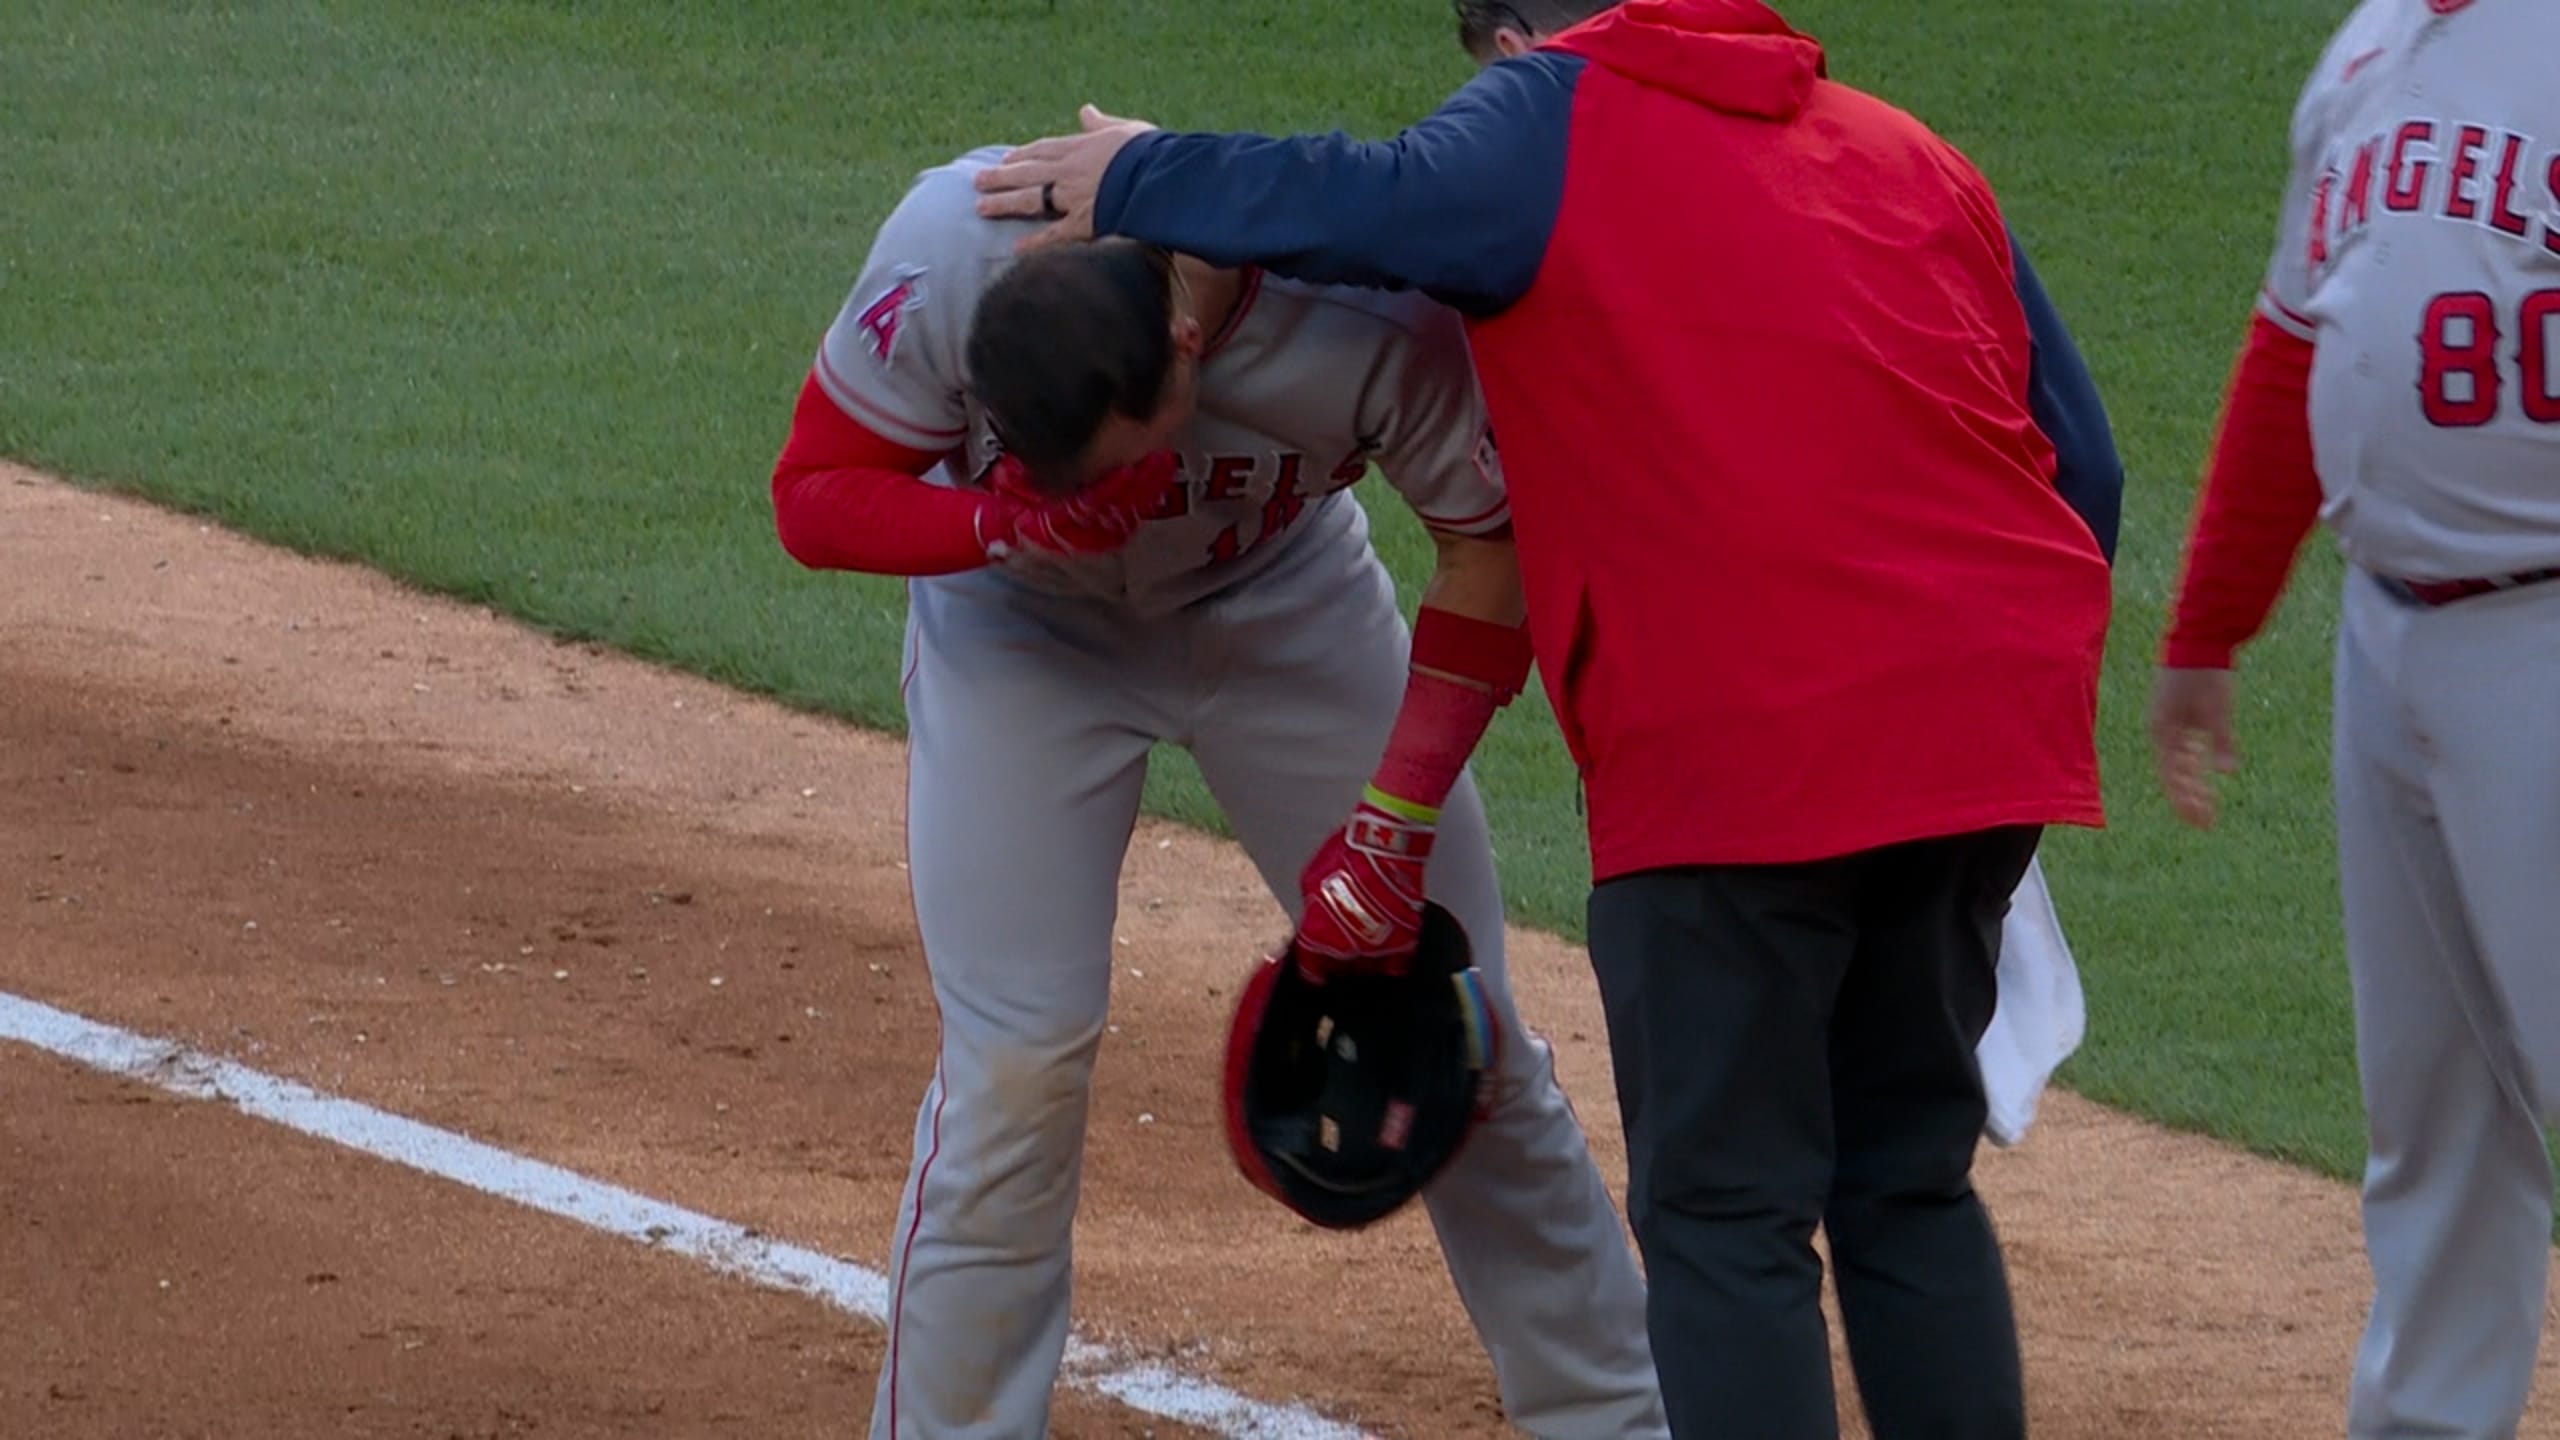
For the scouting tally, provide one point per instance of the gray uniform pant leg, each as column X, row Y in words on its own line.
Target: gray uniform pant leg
column 2448, row 797
column 1312, row 661
column 1027, row 755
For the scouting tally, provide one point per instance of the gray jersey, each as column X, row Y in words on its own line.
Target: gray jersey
column 1304, row 387
column 2420, row 248
column 1034, row 697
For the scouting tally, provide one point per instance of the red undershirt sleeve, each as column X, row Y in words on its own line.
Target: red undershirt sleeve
column 847, row 499
column 2260, row 499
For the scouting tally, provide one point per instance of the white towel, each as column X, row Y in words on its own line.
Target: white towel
column 2039, row 1019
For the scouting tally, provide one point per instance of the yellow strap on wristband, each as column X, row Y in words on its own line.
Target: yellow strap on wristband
column 1401, row 809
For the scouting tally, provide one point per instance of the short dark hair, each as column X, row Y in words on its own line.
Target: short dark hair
column 1478, row 19
column 1066, row 338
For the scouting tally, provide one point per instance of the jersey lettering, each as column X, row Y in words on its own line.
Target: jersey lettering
column 2502, row 195
column 1280, row 509
column 2551, row 217
column 1231, row 544
column 879, row 321
column 2458, row 360
column 2485, row 171
column 2459, row 386
column 2409, row 182
column 2458, row 203
column 1176, row 501
column 2540, row 343
column 2359, row 207
column 1228, row 477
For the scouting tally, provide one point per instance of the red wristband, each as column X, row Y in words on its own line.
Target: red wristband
column 1464, row 669
column 1494, row 656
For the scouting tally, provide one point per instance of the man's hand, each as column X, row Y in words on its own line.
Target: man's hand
column 1057, row 179
column 1018, row 521
column 2191, row 734
column 1363, row 894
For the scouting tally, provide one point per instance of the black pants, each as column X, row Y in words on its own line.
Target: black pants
column 1794, row 1046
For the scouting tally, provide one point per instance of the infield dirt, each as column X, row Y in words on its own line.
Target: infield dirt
column 653, row 930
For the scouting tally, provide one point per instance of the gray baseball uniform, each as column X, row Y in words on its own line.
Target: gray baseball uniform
column 2420, row 252
column 1252, row 623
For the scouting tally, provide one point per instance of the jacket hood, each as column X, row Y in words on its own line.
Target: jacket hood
column 1731, row 55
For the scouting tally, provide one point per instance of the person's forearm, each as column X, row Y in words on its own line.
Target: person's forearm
column 845, row 498
column 2261, row 498
column 1477, row 576
column 1470, row 657
column 1459, row 205
column 877, row 522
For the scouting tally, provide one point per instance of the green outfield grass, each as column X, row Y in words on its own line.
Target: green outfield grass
column 511, row 300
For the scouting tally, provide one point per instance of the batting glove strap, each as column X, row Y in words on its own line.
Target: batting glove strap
column 1387, row 837
column 1363, row 893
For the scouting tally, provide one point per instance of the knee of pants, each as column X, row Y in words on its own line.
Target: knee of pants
column 1006, row 1140
column 1855, row 1214
column 1788, row 1198
column 1916, row 1165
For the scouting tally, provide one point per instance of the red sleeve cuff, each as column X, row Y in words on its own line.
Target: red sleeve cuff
column 2186, row 654
column 2261, row 496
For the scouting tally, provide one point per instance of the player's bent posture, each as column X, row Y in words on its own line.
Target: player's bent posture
column 2401, row 378
column 1000, row 433
column 1811, row 495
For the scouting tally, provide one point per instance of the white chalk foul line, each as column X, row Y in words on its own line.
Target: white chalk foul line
column 1149, row 1387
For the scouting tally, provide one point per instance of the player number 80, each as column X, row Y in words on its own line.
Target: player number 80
column 2459, row 382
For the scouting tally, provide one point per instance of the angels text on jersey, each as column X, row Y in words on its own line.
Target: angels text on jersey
column 2481, row 355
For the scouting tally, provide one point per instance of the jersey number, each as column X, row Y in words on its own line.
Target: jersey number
column 1278, row 514
column 2459, row 383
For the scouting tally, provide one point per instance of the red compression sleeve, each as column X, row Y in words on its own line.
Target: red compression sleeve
column 1443, row 717
column 847, row 499
column 2261, row 498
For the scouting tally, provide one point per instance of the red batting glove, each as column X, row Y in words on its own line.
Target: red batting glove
column 1094, row 521
column 1363, row 891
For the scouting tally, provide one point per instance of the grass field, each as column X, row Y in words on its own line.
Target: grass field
column 511, row 299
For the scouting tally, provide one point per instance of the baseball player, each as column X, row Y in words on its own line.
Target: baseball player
column 1079, row 595
column 1809, row 487
column 2401, row 380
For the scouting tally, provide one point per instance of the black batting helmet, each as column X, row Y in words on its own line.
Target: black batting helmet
column 1346, row 1095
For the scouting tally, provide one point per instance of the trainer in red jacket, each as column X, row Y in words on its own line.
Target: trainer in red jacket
column 1814, row 504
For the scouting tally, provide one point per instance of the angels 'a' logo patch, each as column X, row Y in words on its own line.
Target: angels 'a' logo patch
column 882, row 319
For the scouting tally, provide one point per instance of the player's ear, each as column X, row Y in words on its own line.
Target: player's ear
column 1188, row 338
column 1513, row 43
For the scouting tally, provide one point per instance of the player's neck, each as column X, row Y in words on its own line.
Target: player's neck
column 1213, row 292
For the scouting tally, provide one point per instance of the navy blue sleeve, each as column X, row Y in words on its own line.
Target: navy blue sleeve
column 2066, row 406
column 1460, row 206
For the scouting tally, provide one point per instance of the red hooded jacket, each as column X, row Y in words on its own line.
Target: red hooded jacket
column 1780, row 406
